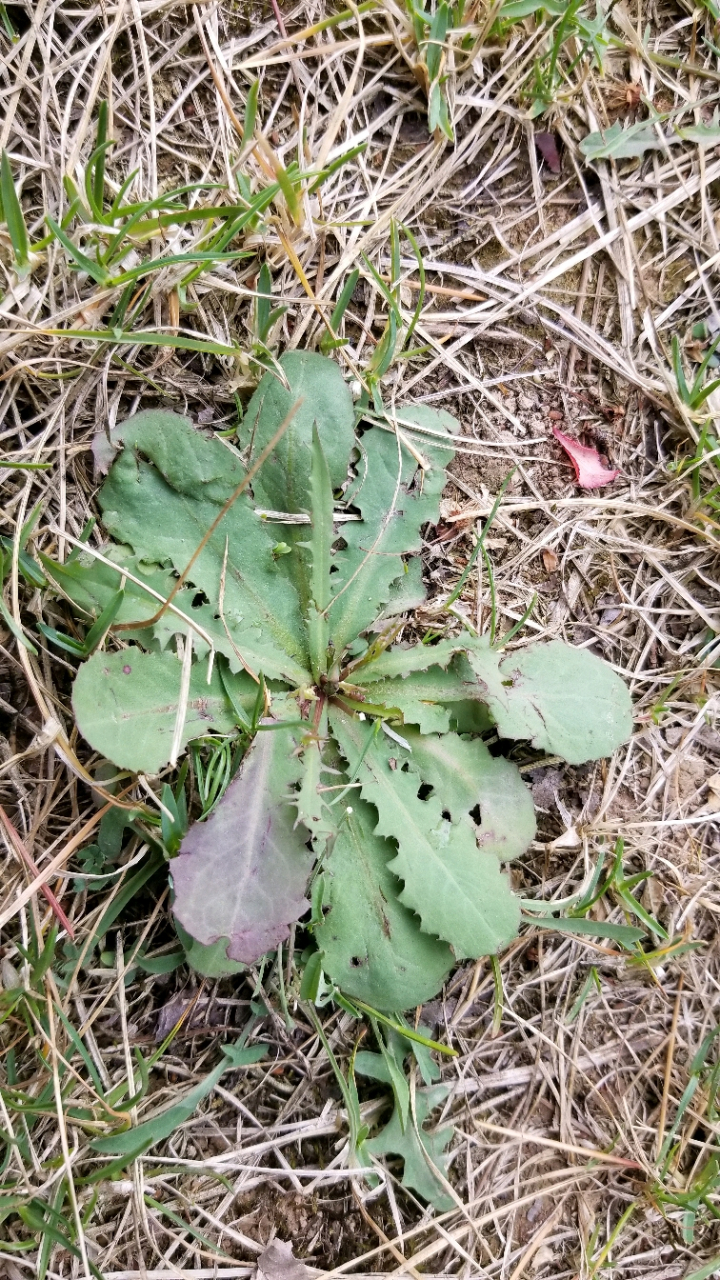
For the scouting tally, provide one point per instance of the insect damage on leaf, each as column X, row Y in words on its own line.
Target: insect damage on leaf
column 360, row 755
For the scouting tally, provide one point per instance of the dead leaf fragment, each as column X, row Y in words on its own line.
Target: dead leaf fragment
column 550, row 560
column 589, row 470
column 546, row 144
column 713, row 802
column 278, row 1263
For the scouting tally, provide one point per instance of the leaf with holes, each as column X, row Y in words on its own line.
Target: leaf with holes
column 371, row 944
column 395, row 498
column 245, row 635
column 457, row 890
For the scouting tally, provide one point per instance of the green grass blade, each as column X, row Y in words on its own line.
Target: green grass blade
column 157, row 264
column 95, row 270
column 421, row 272
column 100, row 627
column 97, row 162
column 17, row 631
column 381, row 285
column 683, row 389
column 263, row 303
column 704, row 1273
column 251, row 111
column 61, row 641
column 13, row 214
column 623, row 933
column 144, row 339
column 343, row 301
column 436, row 38
column 481, row 540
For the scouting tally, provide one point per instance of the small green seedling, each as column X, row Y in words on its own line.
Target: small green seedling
column 572, row 38
column 695, row 395
column 365, row 782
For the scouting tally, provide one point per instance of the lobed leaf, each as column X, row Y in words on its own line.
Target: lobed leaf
column 373, row 946
column 212, row 960
column 620, row 143
column 402, row 661
column 241, row 875
column 126, row 706
column 464, row 775
column 131, row 1143
column 421, row 1152
column 565, row 700
column 395, row 498
column 424, row 697
column 457, row 890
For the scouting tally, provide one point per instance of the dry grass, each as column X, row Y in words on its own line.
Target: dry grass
column 553, row 298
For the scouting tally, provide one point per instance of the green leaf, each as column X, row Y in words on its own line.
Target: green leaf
column 16, row 630
column 412, row 835
column 465, row 776
column 457, row 890
column 387, row 1066
column 401, row 662
column 373, row 947
column 705, row 1272
column 421, row 1152
column 250, row 111
column 241, row 875
column 624, row 933
column 263, row 303
column 705, row 135
column 617, row 143
column 438, row 30
column 516, row 10
column 95, row 270
column 566, row 701
column 126, row 706
column 424, row 697
column 164, row 507
column 91, row 585
column 311, row 806
column 13, row 215
column 395, row 498
column 284, row 482
column 99, row 629
column 131, row 1143
column 95, row 180
column 67, row 643
column 212, row 960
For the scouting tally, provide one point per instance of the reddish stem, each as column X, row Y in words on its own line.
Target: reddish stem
column 32, row 866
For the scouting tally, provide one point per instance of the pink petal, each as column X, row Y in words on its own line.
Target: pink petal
column 589, row 470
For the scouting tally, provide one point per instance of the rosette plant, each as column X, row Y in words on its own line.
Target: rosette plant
column 366, row 801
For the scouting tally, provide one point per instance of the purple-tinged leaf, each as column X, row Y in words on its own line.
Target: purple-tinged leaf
column 546, row 144
column 242, row 874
